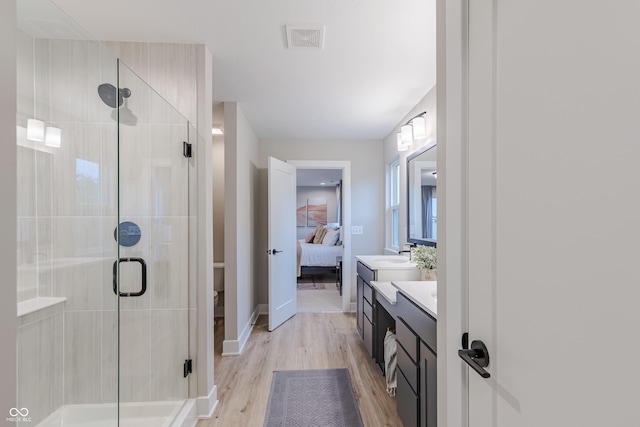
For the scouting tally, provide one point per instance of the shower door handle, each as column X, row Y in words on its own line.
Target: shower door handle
column 143, row 266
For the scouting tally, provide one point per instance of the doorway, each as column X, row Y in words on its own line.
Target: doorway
column 344, row 302
column 319, row 235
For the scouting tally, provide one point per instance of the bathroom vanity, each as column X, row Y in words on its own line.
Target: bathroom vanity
column 416, row 313
column 377, row 268
column 390, row 294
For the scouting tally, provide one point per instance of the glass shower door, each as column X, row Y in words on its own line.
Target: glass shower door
column 151, row 272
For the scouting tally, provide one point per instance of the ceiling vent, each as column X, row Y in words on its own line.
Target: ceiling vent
column 305, row 36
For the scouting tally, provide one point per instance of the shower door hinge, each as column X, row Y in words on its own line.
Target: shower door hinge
column 186, row 369
column 186, row 149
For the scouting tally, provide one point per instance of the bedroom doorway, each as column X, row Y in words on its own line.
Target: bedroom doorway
column 324, row 199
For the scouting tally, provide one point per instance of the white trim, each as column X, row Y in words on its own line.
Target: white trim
column 186, row 416
column 206, row 405
column 230, row 348
column 353, row 308
column 235, row 347
column 451, row 39
column 347, row 257
column 263, row 309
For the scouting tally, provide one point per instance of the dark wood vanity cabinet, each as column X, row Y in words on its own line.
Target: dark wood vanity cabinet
column 416, row 336
column 364, row 306
column 428, row 401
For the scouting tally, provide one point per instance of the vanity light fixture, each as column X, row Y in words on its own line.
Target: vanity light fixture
column 35, row 130
column 407, row 134
column 53, row 136
column 419, row 127
column 216, row 130
column 401, row 145
column 415, row 128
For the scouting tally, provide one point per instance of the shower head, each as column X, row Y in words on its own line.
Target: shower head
column 107, row 93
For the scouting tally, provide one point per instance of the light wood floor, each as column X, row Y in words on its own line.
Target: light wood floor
column 306, row 341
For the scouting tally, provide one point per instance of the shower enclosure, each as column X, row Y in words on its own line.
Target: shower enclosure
column 102, row 234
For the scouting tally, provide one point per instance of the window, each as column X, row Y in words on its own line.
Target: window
column 87, row 182
column 393, row 213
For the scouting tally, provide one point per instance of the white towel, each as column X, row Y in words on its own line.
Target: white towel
column 390, row 348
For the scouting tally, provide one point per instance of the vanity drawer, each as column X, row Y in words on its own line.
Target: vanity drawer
column 409, row 369
column 367, row 292
column 407, row 339
column 419, row 321
column 365, row 272
column 368, row 311
column 368, row 336
column 407, row 402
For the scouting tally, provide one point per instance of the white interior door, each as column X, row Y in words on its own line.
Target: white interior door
column 553, row 213
column 282, row 242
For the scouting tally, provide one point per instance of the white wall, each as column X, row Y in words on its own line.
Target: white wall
column 8, row 319
column 428, row 104
column 367, row 189
column 241, row 248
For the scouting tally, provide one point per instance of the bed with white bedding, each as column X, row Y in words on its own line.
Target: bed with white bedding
column 320, row 254
column 317, row 255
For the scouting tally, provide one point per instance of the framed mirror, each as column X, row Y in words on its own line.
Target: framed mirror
column 422, row 202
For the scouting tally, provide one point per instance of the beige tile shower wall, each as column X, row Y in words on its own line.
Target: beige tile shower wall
column 169, row 68
column 65, row 227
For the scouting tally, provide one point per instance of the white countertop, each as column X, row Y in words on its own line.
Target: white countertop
column 422, row 293
column 387, row 262
column 386, row 289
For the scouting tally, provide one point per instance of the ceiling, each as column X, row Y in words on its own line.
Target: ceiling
column 377, row 63
column 318, row 177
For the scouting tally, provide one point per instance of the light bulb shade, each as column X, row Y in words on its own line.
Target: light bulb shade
column 401, row 145
column 35, row 130
column 419, row 127
column 407, row 135
column 53, row 137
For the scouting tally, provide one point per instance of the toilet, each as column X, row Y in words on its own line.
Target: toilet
column 218, row 286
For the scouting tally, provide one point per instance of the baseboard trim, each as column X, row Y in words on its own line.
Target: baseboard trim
column 353, row 307
column 230, row 347
column 263, row 309
column 235, row 347
column 206, row 405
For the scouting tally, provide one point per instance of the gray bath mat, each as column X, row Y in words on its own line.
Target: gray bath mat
column 320, row 397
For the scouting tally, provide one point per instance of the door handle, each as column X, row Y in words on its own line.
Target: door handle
column 477, row 357
column 143, row 266
column 273, row 251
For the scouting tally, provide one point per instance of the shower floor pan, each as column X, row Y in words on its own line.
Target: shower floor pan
column 143, row 414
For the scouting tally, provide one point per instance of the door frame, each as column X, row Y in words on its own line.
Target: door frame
column 347, row 263
column 452, row 130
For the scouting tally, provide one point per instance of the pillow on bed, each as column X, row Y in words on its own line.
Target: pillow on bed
column 320, row 232
column 331, row 237
column 310, row 236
